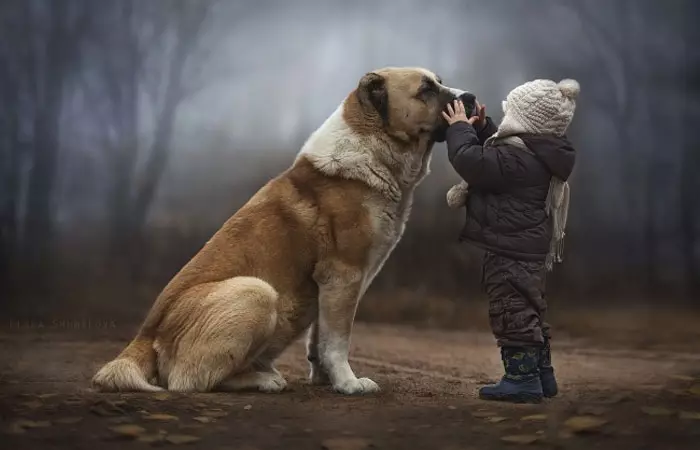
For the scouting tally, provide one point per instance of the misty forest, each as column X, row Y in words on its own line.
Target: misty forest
column 131, row 130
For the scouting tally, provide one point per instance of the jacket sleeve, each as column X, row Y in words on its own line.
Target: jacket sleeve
column 481, row 169
column 489, row 129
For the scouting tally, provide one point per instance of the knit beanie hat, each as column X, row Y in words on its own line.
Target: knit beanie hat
column 541, row 107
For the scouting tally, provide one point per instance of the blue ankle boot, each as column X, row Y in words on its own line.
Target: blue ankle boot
column 521, row 383
column 549, row 382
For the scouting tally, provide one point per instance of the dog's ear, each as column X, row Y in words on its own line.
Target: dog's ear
column 372, row 94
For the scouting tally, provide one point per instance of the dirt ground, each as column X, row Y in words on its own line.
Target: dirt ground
column 613, row 396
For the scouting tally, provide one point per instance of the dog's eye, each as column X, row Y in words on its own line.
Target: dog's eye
column 427, row 89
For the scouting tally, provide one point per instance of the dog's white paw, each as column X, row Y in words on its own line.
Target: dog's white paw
column 271, row 384
column 357, row 386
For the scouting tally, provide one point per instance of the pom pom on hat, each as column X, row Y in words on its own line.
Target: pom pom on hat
column 569, row 88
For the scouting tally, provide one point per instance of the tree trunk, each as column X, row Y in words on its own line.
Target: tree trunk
column 689, row 185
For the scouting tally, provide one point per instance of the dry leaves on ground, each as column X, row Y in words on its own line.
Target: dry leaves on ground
column 32, row 404
column 178, row 439
column 534, row 417
column 585, row 424
column 346, row 444
column 495, row 419
column 214, row 413
column 130, row 431
column 523, row 439
column 19, row 426
column 204, row 419
column 656, row 411
column 683, row 377
column 68, row 420
column 689, row 415
column 105, row 408
column 161, row 417
column 483, row 414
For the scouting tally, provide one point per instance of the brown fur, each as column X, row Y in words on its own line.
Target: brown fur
column 301, row 252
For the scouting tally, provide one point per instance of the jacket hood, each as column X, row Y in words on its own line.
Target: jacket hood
column 557, row 153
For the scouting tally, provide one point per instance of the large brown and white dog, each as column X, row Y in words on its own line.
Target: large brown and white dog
column 299, row 255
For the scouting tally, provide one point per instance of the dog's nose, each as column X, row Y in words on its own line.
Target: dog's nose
column 467, row 98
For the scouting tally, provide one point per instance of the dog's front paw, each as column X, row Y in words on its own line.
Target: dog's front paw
column 357, row 386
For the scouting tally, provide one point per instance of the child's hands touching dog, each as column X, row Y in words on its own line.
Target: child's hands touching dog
column 457, row 113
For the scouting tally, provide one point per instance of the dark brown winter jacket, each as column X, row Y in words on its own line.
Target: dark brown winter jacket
column 508, row 188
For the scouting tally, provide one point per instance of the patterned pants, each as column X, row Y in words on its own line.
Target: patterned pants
column 516, row 300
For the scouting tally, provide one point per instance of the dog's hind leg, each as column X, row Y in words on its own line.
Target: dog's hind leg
column 230, row 328
column 261, row 377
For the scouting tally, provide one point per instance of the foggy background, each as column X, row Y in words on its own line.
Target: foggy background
column 131, row 130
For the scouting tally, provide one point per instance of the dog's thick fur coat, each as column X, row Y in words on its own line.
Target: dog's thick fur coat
column 299, row 255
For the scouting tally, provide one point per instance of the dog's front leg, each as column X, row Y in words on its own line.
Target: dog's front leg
column 317, row 374
column 340, row 286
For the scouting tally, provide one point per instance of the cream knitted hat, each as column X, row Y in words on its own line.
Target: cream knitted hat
column 541, row 107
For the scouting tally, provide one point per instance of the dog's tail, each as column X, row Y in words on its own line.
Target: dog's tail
column 131, row 370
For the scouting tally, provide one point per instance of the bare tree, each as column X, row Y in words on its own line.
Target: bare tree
column 159, row 49
column 690, row 160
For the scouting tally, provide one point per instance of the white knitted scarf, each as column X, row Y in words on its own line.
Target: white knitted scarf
column 557, row 202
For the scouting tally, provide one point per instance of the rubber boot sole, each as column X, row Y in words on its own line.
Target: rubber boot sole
column 521, row 397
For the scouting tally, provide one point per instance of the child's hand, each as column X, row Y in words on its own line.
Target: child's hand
column 480, row 121
column 457, row 114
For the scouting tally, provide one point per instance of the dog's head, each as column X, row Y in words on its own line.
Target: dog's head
column 408, row 102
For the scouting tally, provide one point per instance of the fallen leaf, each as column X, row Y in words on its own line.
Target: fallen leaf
column 161, row 396
column 203, row 419
column 452, row 407
column 534, row 417
column 345, row 444
column 106, row 408
column 483, row 414
column 683, row 377
column 151, row 438
column 523, row 439
column 656, row 411
column 584, row 424
column 161, row 417
column 68, row 420
column 214, row 413
column 591, row 410
column 248, row 407
column 178, row 439
column 565, row 434
column 33, row 424
column 495, row 419
column 32, row 404
column 128, row 431
column 689, row 415
column 695, row 390
column 681, row 392
column 119, row 419
column 42, row 396
column 14, row 428
column 618, row 398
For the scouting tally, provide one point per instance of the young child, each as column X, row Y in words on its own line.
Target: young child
column 516, row 211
